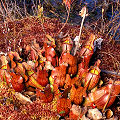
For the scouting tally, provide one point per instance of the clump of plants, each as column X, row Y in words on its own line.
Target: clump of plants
column 44, row 74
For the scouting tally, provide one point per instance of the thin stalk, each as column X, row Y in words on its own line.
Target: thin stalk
column 19, row 13
column 112, row 22
column 49, row 4
column 102, row 23
column 81, row 27
column 111, row 29
column 35, row 12
column 14, row 42
column 116, row 28
column 68, row 11
column 1, row 9
column 107, row 101
column 83, row 18
column 117, row 36
column 5, row 9
column 6, row 32
column 95, row 3
column 115, row 18
column 39, row 2
column 115, row 61
column 117, row 4
column 25, row 9
column 110, row 72
column 112, row 10
column 15, row 10
column 57, row 15
column 6, row 4
column 36, row 5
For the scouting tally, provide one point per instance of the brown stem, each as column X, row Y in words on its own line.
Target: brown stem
column 25, row 9
column 5, row 9
column 111, row 72
column 1, row 9
column 65, row 22
column 115, row 61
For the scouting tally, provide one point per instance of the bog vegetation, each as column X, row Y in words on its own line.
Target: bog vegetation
column 54, row 70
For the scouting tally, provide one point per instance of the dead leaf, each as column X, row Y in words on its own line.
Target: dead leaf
column 51, row 40
column 22, row 98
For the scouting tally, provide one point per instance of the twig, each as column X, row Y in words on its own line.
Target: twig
column 116, row 28
column 108, row 99
column 115, row 61
column 111, row 72
column 112, row 20
column 1, row 9
column 110, row 29
column 68, row 11
column 112, row 10
column 19, row 13
column 25, row 9
column 82, row 14
column 82, row 25
column 5, row 9
column 57, row 14
column 102, row 23
column 15, row 10
column 35, row 12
